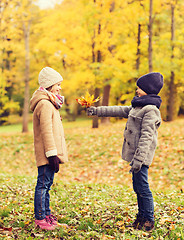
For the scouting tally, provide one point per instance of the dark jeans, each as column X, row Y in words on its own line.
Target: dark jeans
column 42, row 198
column 144, row 195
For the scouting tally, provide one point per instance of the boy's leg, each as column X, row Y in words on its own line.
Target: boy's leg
column 139, row 221
column 146, row 198
column 139, row 198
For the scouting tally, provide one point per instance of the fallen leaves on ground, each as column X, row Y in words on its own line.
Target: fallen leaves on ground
column 90, row 211
column 93, row 193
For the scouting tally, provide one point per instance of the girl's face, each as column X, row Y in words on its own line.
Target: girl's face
column 56, row 88
column 140, row 92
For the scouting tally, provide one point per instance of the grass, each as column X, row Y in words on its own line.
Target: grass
column 92, row 193
column 92, row 211
column 17, row 127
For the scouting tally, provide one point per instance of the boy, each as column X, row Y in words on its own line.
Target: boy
column 140, row 140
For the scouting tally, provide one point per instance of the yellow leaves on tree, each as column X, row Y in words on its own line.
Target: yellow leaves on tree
column 87, row 100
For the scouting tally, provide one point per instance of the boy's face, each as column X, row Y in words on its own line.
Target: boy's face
column 140, row 92
column 56, row 89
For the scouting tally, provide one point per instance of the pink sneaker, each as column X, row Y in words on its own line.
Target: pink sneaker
column 52, row 220
column 43, row 224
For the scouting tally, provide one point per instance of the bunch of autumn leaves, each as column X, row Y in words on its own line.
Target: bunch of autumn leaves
column 87, row 100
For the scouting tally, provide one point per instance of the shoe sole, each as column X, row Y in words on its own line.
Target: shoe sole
column 148, row 230
column 51, row 229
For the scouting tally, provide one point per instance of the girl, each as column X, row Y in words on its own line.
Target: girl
column 49, row 142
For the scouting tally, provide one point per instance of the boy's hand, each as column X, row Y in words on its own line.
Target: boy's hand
column 54, row 163
column 135, row 166
column 91, row 111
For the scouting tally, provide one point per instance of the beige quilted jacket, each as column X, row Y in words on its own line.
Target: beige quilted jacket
column 48, row 130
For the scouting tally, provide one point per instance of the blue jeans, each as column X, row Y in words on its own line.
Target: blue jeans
column 42, row 198
column 144, row 195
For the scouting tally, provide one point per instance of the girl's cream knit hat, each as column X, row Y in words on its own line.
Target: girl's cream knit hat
column 48, row 77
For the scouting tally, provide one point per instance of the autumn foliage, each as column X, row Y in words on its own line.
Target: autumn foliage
column 87, row 100
column 94, row 45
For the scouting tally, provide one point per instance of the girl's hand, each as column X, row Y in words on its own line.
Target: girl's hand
column 54, row 163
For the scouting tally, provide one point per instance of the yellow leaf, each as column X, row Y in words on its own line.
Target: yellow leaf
column 120, row 223
column 87, row 100
column 165, row 219
column 172, row 227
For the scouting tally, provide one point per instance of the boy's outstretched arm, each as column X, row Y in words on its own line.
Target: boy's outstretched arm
column 109, row 111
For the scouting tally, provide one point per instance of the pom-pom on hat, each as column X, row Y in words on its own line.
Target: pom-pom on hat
column 151, row 83
column 48, row 77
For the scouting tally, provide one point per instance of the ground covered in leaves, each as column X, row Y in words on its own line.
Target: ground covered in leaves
column 92, row 193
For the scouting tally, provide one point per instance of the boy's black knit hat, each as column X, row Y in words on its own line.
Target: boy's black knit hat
column 151, row 83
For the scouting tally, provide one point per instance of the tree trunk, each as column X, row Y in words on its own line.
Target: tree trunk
column 96, row 58
column 150, row 26
column 172, row 86
column 105, row 101
column 95, row 118
column 97, row 93
column 107, row 88
column 138, row 47
column 26, row 31
column 172, row 99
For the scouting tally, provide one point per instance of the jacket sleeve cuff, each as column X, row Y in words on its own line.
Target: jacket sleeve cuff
column 139, row 155
column 51, row 153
